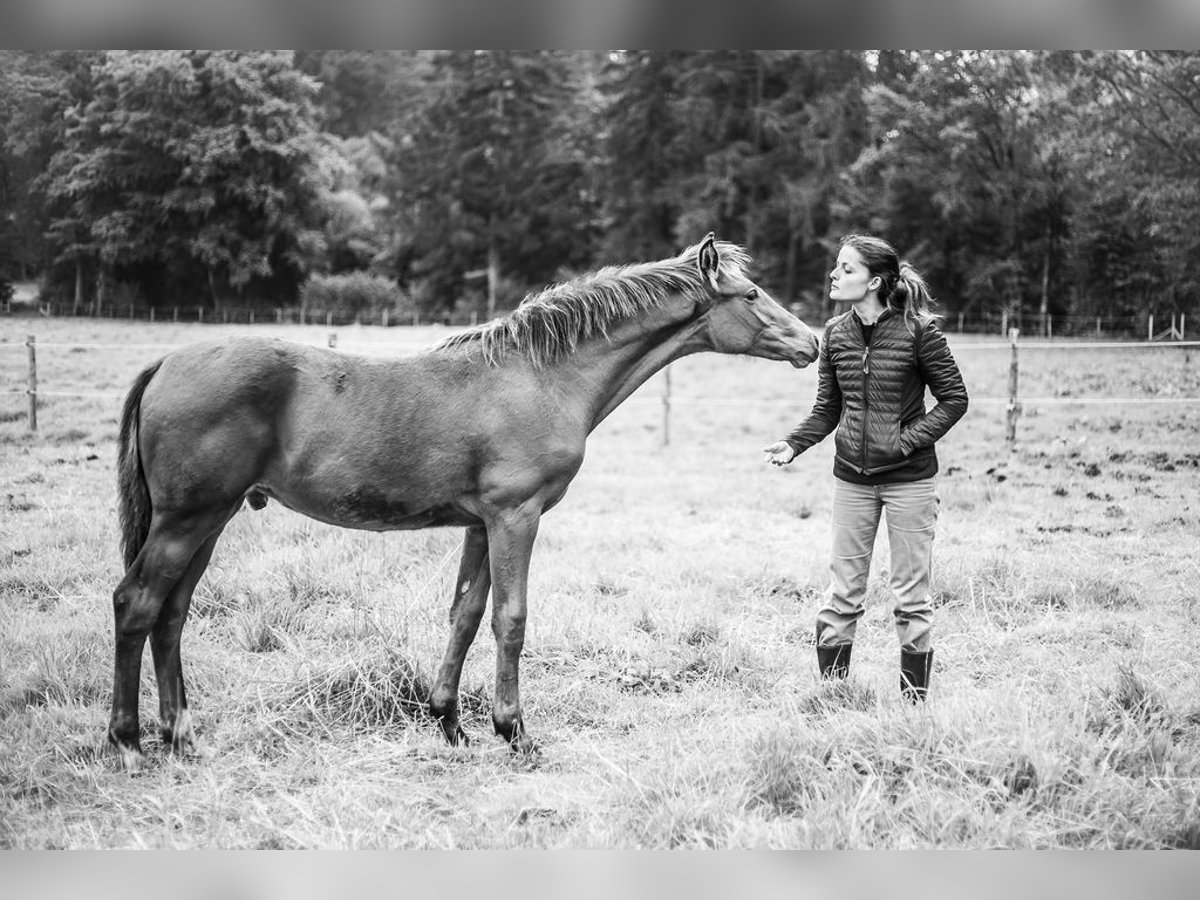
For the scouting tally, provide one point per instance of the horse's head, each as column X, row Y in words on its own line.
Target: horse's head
column 743, row 318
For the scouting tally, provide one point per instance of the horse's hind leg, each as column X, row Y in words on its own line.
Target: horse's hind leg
column 160, row 565
column 165, row 636
column 466, row 612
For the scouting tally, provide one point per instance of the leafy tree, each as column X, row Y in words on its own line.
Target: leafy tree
column 813, row 125
column 1023, row 181
column 1135, row 132
column 747, row 143
column 963, row 178
column 491, row 175
column 35, row 90
column 361, row 91
column 193, row 168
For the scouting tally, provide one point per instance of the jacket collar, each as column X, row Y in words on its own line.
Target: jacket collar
column 886, row 314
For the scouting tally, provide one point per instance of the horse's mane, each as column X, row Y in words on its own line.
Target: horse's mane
column 550, row 323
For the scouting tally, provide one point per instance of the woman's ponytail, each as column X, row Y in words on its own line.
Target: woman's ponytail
column 911, row 295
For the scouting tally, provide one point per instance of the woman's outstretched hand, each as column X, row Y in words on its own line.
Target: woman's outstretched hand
column 779, row 453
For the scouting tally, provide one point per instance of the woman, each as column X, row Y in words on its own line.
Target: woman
column 876, row 360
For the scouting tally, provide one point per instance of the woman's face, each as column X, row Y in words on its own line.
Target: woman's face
column 850, row 281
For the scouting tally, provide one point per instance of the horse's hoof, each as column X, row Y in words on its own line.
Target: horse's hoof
column 453, row 733
column 527, row 754
column 128, row 750
column 531, row 748
column 524, row 746
column 451, row 729
column 132, row 760
column 191, row 747
column 182, row 740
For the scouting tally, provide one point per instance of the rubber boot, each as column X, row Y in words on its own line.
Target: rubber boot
column 834, row 662
column 914, row 674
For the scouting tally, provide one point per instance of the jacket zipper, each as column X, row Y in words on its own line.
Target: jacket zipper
column 866, row 364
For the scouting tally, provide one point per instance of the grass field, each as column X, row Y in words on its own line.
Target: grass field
column 669, row 675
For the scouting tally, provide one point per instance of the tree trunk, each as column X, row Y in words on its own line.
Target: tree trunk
column 493, row 275
column 101, row 292
column 78, row 286
column 1044, row 308
column 789, row 276
column 212, row 289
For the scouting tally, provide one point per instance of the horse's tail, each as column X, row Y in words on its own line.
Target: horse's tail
column 133, row 496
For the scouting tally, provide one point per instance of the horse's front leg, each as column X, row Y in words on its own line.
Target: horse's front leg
column 510, row 540
column 466, row 611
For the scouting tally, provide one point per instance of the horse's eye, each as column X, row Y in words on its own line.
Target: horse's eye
column 752, row 294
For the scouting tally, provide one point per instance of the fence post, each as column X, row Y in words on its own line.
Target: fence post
column 666, row 407
column 1014, row 407
column 32, row 388
column 1150, row 327
column 1004, row 322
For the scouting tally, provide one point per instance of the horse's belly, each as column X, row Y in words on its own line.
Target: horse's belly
column 371, row 509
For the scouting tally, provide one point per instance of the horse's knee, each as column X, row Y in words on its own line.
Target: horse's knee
column 134, row 611
column 508, row 626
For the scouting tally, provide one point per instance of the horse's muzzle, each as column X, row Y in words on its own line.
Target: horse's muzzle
column 808, row 355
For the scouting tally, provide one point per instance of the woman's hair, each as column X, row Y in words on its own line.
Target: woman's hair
column 902, row 289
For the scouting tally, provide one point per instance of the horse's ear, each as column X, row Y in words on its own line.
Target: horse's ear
column 708, row 261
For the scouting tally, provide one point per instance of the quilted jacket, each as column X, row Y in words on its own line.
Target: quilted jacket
column 874, row 395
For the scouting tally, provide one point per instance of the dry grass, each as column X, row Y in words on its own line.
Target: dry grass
column 669, row 674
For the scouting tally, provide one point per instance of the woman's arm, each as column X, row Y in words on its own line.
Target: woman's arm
column 940, row 372
column 826, row 410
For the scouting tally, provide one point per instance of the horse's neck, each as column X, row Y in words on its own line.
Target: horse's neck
column 608, row 370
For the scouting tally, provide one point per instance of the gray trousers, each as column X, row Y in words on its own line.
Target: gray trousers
column 911, row 509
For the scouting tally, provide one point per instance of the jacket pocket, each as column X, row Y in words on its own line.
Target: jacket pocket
column 887, row 452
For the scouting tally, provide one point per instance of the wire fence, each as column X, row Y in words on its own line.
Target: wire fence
column 1012, row 401
column 1151, row 326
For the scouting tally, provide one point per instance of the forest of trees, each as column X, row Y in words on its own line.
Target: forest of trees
column 1019, row 182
